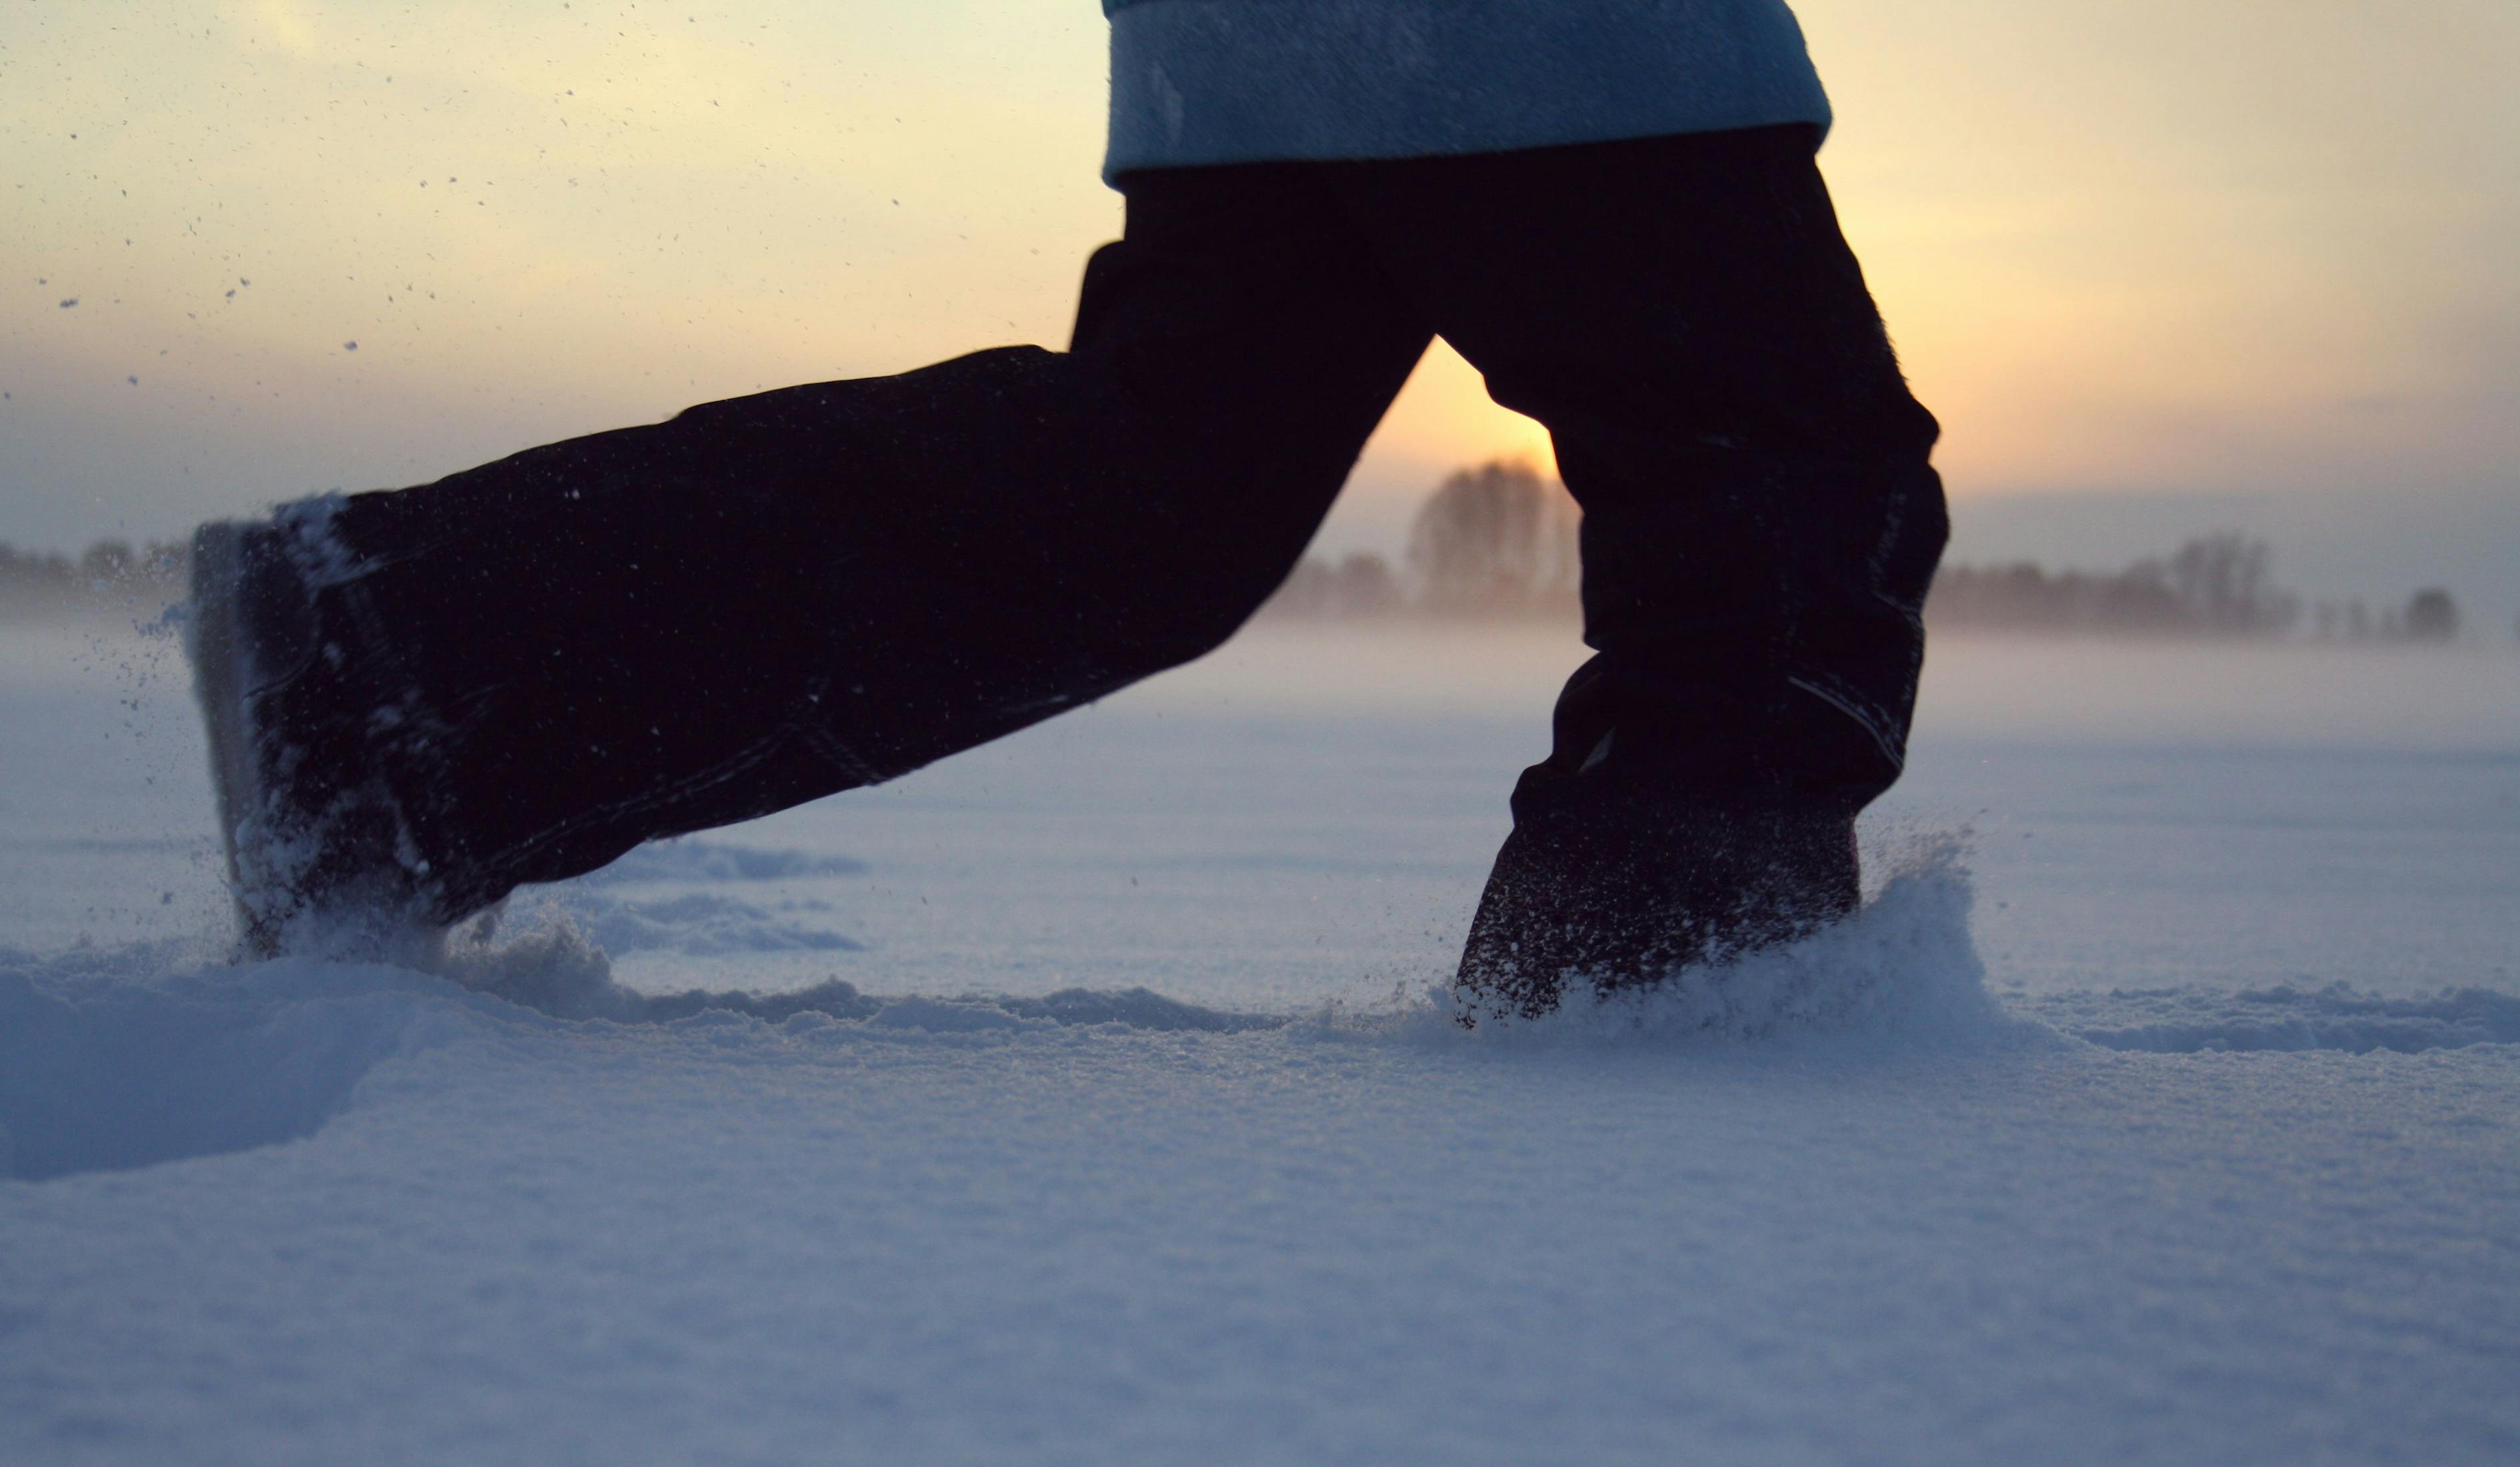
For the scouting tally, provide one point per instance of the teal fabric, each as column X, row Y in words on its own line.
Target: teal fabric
column 1223, row 81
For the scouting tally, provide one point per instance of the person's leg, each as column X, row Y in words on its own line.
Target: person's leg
column 542, row 662
column 1760, row 528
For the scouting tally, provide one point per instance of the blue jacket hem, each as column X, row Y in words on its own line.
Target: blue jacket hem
column 1223, row 81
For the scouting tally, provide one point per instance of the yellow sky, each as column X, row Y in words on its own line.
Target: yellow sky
column 2121, row 242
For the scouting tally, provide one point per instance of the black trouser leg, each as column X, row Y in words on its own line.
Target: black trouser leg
column 1760, row 520
column 778, row 596
column 1760, row 527
column 774, row 598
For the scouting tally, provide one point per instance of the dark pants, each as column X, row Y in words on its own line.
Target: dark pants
column 778, row 596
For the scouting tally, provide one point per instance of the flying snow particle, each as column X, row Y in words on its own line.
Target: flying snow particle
column 349, row 346
column 67, row 304
column 133, row 381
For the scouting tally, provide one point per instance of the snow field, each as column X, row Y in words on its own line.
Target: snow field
column 1095, row 1110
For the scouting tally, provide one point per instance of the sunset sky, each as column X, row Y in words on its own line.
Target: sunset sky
column 2256, row 245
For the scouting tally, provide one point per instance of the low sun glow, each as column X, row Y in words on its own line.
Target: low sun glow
column 2137, row 271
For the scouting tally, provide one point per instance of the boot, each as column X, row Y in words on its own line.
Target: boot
column 1621, row 898
column 321, row 860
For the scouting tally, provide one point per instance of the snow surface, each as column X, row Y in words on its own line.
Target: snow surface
column 1086, row 1104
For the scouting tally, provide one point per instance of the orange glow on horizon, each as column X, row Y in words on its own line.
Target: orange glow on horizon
column 2109, row 258
column 1444, row 420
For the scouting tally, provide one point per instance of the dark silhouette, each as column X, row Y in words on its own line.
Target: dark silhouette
column 418, row 700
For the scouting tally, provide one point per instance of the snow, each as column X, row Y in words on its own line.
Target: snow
column 2159, row 1108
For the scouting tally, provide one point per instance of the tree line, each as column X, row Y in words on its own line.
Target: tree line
column 110, row 576
column 2215, row 585
column 1500, row 542
column 1496, row 541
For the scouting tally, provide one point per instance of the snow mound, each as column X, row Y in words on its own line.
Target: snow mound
column 2339, row 1016
column 1903, row 967
column 553, row 963
column 112, row 1060
column 558, row 965
column 697, row 925
column 1136, row 1008
column 682, row 915
column 101, row 1070
column 714, row 860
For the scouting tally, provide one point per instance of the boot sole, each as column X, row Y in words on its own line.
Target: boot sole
column 222, row 677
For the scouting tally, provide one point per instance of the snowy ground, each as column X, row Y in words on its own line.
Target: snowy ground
column 2174, row 1114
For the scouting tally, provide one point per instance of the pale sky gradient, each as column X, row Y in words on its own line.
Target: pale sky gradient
column 2258, row 246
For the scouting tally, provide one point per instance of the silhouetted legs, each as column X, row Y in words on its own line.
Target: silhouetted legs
column 1760, row 528
column 1760, row 522
column 777, row 596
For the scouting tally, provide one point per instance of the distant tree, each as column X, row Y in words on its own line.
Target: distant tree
column 1361, row 585
column 1304, row 594
column 108, row 565
column 2431, row 616
column 167, row 563
column 110, row 576
column 31, row 568
column 32, row 583
column 1496, row 539
column 2221, row 582
column 2138, row 598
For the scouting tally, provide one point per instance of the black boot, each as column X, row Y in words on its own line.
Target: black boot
column 1623, row 904
column 1661, row 842
column 321, row 858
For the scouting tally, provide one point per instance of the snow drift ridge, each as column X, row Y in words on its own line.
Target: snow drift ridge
column 2337, row 1017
